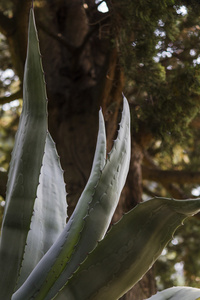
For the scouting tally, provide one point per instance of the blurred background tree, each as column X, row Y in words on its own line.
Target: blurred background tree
column 92, row 52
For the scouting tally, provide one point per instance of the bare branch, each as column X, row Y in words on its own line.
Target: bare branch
column 173, row 189
column 172, row 176
column 12, row 97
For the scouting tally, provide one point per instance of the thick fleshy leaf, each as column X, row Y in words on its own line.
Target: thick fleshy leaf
column 177, row 293
column 104, row 200
column 25, row 167
column 45, row 265
column 90, row 219
column 128, row 250
column 50, row 211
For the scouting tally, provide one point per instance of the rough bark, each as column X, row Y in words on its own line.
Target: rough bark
column 74, row 72
column 3, row 181
column 16, row 33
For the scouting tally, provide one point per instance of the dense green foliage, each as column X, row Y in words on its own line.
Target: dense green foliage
column 160, row 61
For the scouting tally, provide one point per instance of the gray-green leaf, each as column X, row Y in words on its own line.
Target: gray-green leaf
column 129, row 249
column 50, row 211
column 177, row 293
column 24, row 168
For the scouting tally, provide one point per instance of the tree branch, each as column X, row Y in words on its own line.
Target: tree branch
column 60, row 38
column 6, row 25
column 173, row 189
column 57, row 36
column 172, row 176
column 12, row 97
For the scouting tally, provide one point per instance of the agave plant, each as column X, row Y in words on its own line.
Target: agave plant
column 43, row 258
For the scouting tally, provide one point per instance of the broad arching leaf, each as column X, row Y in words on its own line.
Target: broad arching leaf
column 128, row 250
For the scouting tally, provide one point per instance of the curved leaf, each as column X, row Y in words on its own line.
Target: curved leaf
column 24, row 168
column 128, row 250
column 177, row 293
column 104, row 200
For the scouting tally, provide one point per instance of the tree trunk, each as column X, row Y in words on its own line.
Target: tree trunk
column 83, row 73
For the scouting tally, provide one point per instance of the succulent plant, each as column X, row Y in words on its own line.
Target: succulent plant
column 43, row 258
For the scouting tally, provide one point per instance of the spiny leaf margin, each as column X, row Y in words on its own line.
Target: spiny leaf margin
column 49, row 215
column 25, row 167
column 129, row 249
column 107, row 183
